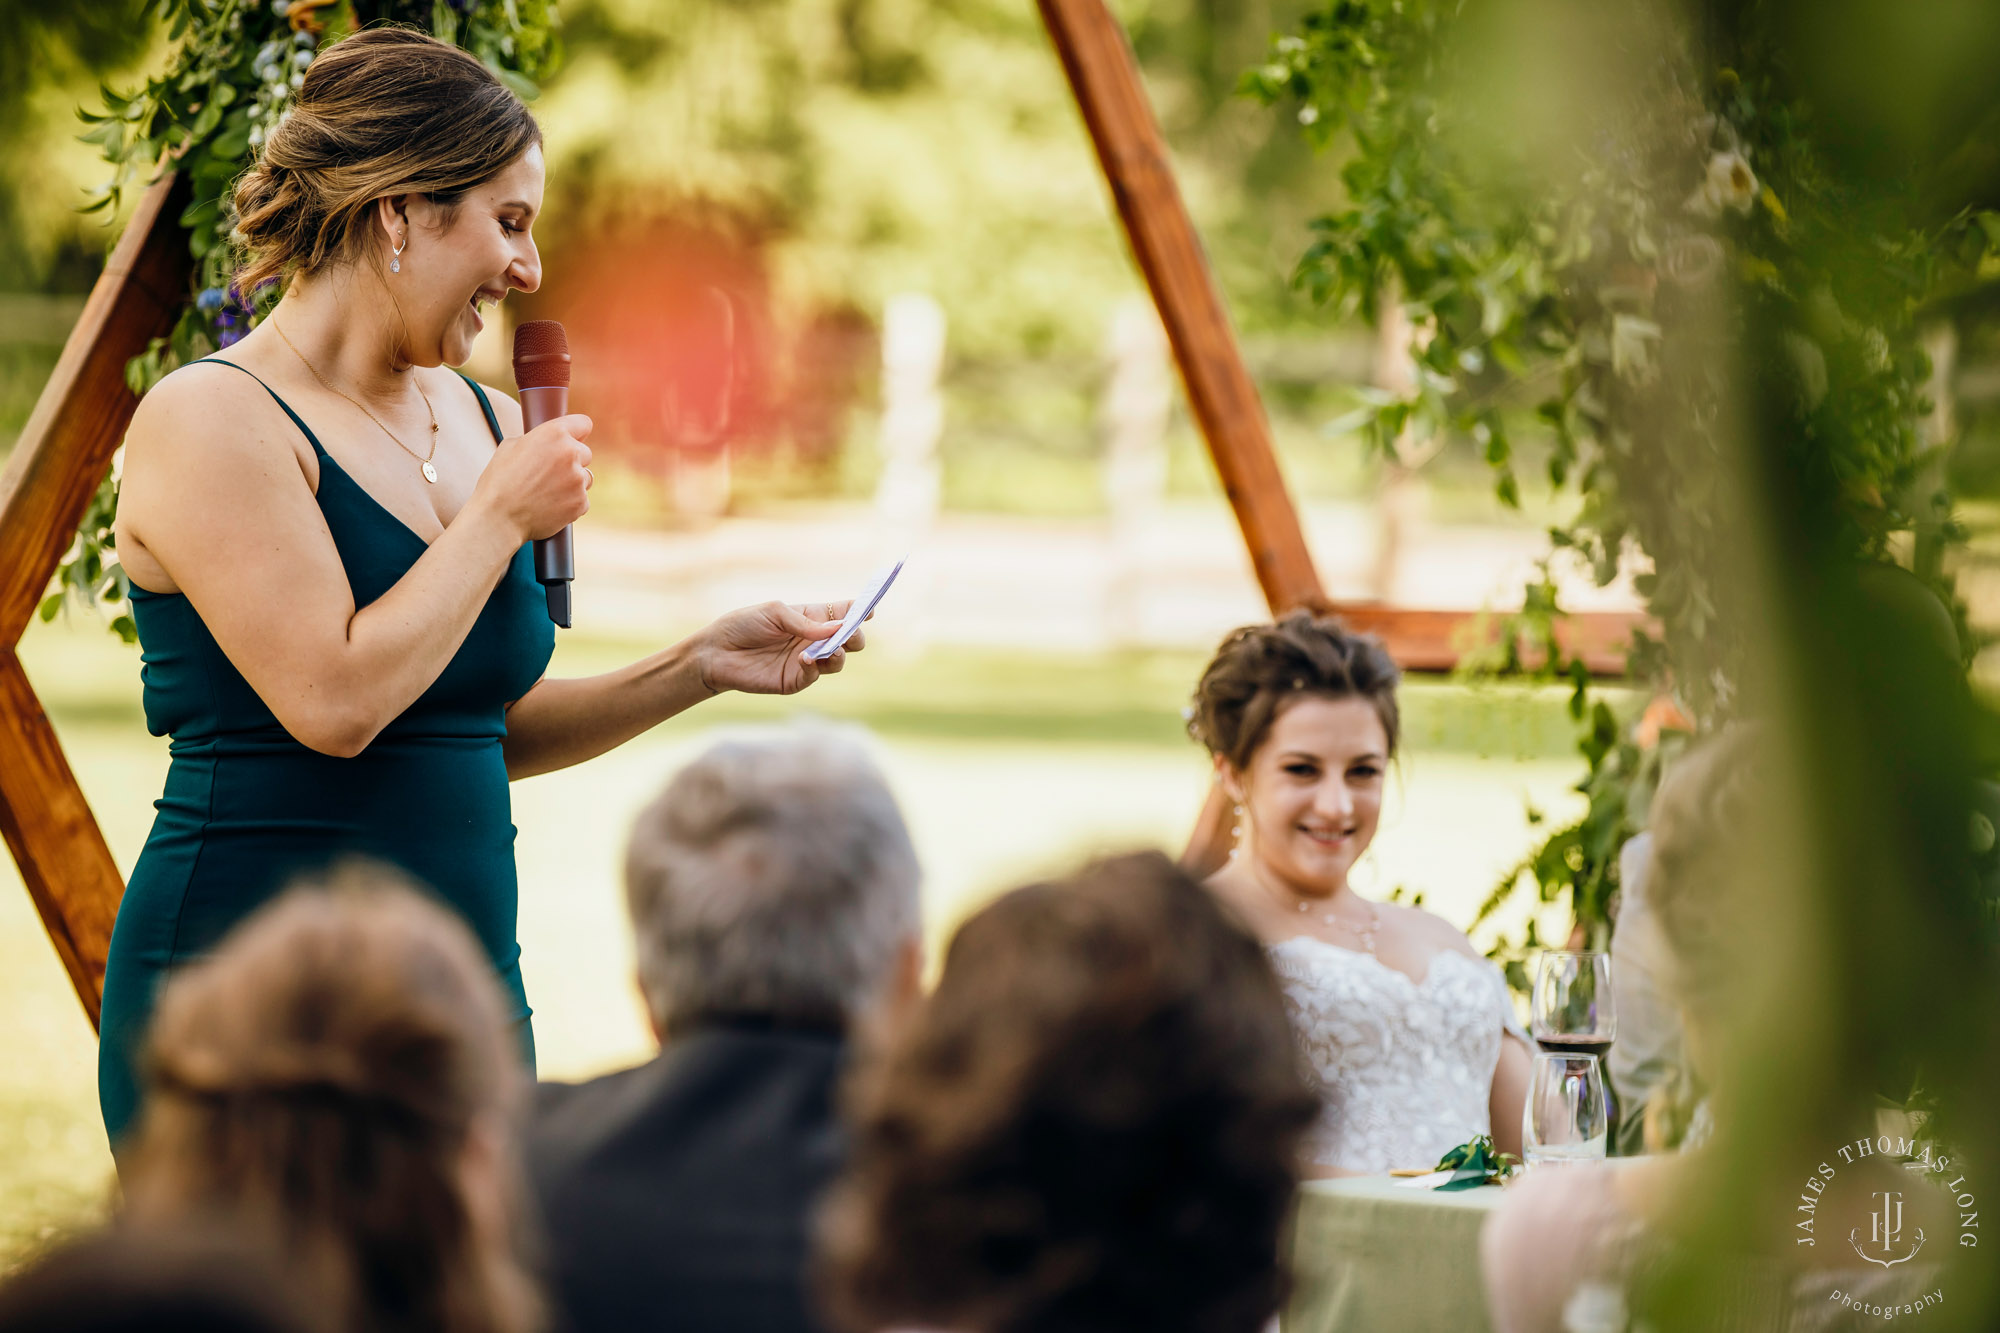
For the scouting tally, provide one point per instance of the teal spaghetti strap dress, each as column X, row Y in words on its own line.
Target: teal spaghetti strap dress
column 246, row 807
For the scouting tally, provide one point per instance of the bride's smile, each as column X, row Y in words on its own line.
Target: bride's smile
column 1313, row 793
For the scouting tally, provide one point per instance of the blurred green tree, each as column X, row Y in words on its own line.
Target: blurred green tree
column 885, row 145
column 50, row 56
column 1571, row 254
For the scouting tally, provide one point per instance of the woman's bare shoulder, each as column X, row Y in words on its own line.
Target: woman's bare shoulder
column 214, row 427
column 506, row 408
column 206, row 405
column 1428, row 926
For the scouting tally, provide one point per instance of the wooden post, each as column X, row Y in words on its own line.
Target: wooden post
column 68, row 869
column 1105, row 79
column 56, row 466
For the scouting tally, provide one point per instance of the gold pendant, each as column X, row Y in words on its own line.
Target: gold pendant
column 430, row 473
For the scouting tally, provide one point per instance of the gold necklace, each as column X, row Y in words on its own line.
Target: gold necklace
column 424, row 460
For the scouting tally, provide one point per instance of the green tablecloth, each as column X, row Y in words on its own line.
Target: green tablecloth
column 1369, row 1253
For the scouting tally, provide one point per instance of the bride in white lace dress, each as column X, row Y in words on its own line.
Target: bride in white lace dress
column 1407, row 1031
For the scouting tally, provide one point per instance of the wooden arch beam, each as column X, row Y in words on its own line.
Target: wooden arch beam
column 1133, row 154
column 55, row 468
column 1105, row 78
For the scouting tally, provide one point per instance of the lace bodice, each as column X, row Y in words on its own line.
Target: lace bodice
column 1404, row 1069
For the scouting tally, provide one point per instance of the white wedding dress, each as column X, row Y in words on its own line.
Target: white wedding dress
column 1403, row 1069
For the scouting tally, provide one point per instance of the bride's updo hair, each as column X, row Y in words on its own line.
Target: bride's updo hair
column 386, row 111
column 1260, row 669
column 316, row 1082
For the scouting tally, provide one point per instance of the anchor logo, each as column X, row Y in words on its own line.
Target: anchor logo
column 1885, row 1230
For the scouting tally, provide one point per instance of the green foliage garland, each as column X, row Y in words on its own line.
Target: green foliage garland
column 1583, row 304
column 235, row 67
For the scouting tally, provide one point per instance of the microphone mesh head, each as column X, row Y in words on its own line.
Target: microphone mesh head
column 541, row 355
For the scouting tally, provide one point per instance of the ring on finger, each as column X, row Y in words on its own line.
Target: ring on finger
column 592, row 478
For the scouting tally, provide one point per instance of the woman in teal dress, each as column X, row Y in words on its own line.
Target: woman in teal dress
column 326, row 532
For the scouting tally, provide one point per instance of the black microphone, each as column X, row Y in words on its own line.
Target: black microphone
column 541, row 373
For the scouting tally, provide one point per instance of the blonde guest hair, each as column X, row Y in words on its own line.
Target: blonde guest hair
column 318, row 1082
column 387, row 111
column 1705, row 821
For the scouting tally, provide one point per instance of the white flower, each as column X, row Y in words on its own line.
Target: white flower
column 1729, row 184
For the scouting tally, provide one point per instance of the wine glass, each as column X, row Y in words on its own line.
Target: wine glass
column 1574, row 1010
column 1566, row 1118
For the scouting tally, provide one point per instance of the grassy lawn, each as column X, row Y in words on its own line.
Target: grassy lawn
column 1008, row 766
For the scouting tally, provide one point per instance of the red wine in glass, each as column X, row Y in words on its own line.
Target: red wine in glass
column 1565, row 1045
column 1574, row 1010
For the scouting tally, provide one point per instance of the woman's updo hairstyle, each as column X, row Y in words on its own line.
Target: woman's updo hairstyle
column 386, row 111
column 1261, row 669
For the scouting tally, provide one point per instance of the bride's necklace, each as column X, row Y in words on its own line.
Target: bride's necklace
column 1365, row 934
column 424, row 460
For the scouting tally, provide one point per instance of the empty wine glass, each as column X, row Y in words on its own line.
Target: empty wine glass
column 1574, row 1011
column 1566, row 1118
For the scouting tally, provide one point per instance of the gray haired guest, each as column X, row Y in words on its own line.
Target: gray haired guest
column 773, row 892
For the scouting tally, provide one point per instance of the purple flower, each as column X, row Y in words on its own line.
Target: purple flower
column 229, row 337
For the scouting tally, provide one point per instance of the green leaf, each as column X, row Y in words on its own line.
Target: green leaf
column 205, row 123
column 234, row 139
column 51, row 606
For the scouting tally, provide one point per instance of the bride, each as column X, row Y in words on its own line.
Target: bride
column 1408, row 1033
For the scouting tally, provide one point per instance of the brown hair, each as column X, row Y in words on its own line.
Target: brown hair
column 156, row 1280
column 386, row 111
column 315, row 1081
column 1261, row 669
column 1093, row 1123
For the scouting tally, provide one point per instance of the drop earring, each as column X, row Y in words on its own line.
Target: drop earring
column 396, row 257
column 1235, row 831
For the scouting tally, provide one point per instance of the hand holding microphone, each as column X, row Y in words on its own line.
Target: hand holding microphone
column 541, row 373
column 538, row 479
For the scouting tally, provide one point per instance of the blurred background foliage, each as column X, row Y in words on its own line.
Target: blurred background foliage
column 1588, row 256
column 844, row 150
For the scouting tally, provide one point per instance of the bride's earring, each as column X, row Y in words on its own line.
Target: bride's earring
column 1236, row 832
column 396, row 256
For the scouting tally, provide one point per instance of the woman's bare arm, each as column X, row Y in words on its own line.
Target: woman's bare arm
column 1510, row 1093
column 214, row 492
column 756, row 650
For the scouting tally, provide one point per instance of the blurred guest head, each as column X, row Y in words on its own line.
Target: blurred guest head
column 1708, row 823
column 774, row 878
column 153, row 1281
column 1300, row 716
column 1093, row 1123
column 339, row 1077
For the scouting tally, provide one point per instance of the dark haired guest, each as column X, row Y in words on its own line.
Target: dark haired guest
column 153, row 1281
column 1091, row 1125
column 1410, row 1034
column 773, row 893
column 339, row 1080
